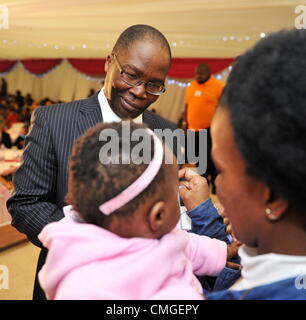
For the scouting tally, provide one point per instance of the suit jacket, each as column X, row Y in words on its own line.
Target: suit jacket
column 41, row 182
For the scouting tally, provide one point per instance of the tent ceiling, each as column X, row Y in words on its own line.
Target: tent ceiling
column 195, row 28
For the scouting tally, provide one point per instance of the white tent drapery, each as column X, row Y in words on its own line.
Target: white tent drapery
column 194, row 28
column 88, row 29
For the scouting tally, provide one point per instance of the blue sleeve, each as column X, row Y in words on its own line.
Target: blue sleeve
column 226, row 279
column 205, row 220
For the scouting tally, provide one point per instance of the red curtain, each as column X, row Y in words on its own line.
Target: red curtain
column 6, row 65
column 185, row 67
column 91, row 67
column 182, row 68
column 40, row 66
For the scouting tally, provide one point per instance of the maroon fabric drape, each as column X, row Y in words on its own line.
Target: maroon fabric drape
column 185, row 67
column 40, row 66
column 182, row 68
column 6, row 65
column 91, row 67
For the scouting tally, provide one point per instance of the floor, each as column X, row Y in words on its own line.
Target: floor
column 21, row 262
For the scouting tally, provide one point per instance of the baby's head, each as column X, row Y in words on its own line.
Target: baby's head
column 151, row 213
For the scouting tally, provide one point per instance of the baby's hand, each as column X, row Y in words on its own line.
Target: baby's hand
column 194, row 189
column 232, row 252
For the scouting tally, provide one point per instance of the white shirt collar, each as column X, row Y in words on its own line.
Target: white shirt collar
column 108, row 114
column 258, row 270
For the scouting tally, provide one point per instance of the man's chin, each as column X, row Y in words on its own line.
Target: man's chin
column 126, row 110
column 122, row 113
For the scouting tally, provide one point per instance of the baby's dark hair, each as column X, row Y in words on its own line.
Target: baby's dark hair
column 92, row 183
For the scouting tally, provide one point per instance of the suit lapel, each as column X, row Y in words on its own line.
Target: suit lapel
column 148, row 119
column 90, row 114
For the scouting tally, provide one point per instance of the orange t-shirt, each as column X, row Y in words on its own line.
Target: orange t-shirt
column 202, row 100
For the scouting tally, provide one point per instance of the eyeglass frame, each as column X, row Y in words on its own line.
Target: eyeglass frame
column 121, row 71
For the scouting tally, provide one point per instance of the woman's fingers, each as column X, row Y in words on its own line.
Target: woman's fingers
column 233, row 265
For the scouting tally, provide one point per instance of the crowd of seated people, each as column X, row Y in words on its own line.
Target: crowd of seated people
column 17, row 108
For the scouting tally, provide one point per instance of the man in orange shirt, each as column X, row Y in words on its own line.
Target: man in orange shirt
column 201, row 101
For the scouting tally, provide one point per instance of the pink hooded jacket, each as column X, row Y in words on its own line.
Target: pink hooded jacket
column 88, row 262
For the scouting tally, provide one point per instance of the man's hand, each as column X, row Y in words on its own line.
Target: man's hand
column 194, row 189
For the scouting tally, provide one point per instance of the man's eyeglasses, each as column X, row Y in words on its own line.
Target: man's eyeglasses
column 133, row 80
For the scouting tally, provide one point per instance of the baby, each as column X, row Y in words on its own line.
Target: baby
column 118, row 239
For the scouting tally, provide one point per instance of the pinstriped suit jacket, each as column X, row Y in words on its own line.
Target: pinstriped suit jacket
column 41, row 182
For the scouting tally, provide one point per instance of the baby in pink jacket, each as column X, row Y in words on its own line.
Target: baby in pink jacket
column 118, row 239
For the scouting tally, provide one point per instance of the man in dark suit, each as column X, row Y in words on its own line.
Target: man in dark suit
column 135, row 74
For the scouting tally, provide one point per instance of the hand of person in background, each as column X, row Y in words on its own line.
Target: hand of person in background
column 193, row 189
column 184, row 125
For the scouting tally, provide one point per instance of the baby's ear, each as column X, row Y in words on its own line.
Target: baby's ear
column 157, row 217
column 68, row 198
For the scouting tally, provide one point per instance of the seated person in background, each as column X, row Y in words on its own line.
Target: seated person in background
column 25, row 115
column 91, row 92
column 28, row 100
column 259, row 149
column 5, row 138
column 19, row 143
column 11, row 118
column 19, row 98
column 119, row 241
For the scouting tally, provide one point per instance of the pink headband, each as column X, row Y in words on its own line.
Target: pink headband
column 140, row 183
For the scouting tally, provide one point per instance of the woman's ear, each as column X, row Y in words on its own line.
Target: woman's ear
column 157, row 217
column 276, row 206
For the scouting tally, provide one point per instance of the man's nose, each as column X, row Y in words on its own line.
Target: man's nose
column 139, row 90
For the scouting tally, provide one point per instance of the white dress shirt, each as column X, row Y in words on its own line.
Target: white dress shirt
column 108, row 114
column 259, row 270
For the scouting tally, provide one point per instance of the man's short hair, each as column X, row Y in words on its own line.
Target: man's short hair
column 203, row 67
column 141, row 32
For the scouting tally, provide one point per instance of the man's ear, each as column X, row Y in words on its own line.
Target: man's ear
column 107, row 63
column 157, row 217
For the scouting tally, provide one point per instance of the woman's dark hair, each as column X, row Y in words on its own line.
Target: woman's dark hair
column 266, row 98
column 92, row 183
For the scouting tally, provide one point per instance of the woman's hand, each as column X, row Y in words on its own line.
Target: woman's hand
column 229, row 230
column 194, row 189
column 232, row 252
